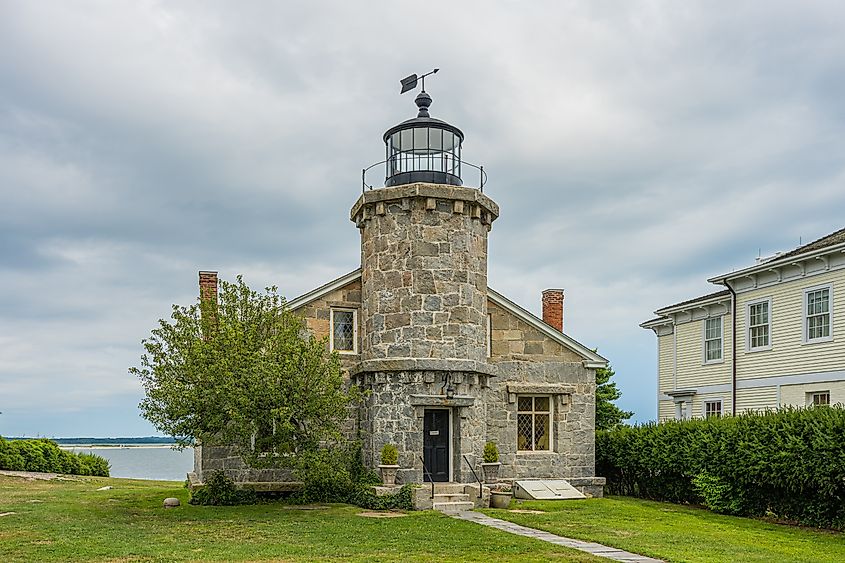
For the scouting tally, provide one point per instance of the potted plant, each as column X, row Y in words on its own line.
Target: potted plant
column 490, row 466
column 500, row 496
column 388, row 467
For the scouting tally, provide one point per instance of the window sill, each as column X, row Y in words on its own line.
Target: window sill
column 713, row 362
column 753, row 350
column 534, row 452
column 817, row 340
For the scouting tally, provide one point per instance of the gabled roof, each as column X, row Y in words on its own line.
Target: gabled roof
column 828, row 240
column 591, row 358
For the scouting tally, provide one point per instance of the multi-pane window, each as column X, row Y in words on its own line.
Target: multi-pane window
column 344, row 331
column 713, row 339
column 533, row 423
column 819, row 399
column 712, row 408
column 817, row 307
column 759, row 326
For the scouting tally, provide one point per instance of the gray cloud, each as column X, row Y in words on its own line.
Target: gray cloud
column 635, row 150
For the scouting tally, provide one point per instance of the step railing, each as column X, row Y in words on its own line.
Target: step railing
column 430, row 478
column 480, row 486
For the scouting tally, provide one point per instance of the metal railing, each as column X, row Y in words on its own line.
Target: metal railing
column 482, row 175
column 480, row 486
column 430, row 478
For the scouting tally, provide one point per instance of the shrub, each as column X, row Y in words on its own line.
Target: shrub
column 219, row 490
column 45, row 456
column 491, row 452
column 789, row 462
column 389, row 455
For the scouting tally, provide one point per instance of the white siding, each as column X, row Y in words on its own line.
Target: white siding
column 796, row 395
column 761, row 398
column 789, row 355
column 665, row 410
column 692, row 371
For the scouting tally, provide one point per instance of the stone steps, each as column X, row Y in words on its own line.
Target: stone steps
column 451, row 502
column 453, row 507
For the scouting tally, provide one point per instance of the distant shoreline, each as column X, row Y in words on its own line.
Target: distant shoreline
column 113, row 446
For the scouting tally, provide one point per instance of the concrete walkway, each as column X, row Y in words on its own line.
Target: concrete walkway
column 596, row 549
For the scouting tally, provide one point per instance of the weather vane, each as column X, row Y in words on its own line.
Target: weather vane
column 410, row 82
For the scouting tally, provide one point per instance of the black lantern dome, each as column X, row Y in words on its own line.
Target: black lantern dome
column 423, row 149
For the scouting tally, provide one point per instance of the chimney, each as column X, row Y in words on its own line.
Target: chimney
column 208, row 286
column 553, row 308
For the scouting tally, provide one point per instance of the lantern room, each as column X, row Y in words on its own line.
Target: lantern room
column 423, row 149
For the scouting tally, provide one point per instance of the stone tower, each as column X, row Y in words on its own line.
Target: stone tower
column 424, row 297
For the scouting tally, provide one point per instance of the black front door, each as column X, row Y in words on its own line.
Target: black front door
column 436, row 444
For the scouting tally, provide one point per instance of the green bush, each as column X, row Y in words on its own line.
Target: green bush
column 491, row 452
column 789, row 462
column 45, row 456
column 219, row 490
column 389, row 455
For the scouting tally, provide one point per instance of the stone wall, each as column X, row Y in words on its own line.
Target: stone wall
column 208, row 459
column 317, row 315
column 424, row 271
column 572, row 388
column 514, row 339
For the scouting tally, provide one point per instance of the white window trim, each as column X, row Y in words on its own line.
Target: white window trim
column 684, row 414
column 354, row 330
column 704, row 407
column 748, row 305
column 721, row 358
column 533, row 413
column 804, row 337
column 811, row 397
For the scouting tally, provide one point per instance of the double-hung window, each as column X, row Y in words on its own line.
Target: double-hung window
column 817, row 314
column 759, row 326
column 344, row 333
column 712, row 408
column 533, row 423
column 713, row 340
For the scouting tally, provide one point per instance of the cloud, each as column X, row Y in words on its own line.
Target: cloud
column 635, row 150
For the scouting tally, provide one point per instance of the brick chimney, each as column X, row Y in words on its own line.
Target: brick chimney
column 208, row 285
column 553, row 308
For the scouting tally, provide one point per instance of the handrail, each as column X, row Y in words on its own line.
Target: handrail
column 480, row 486
column 482, row 175
column 430, row 478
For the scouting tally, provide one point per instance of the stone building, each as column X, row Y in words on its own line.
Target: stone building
column 449, row 363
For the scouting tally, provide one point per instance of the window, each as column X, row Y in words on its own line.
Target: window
column 818, row 399
column 344, row 334
column 681, row 410
column 817, row 314
column 759, row 326
column 712, row 408
column 533, row 423
column 713, row 340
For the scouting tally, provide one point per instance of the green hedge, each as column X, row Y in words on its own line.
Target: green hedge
column 789, row 464
column 45, row 456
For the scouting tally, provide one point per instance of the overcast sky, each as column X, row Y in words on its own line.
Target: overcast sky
column 635, row 149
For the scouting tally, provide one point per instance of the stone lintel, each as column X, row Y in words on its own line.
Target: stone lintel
column 564, row 392
column 402, row 193
column 442, row 401
column 422, row 364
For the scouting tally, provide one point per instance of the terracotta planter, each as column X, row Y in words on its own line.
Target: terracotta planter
column 490, row 471
column 388, row 474
column 500, row 499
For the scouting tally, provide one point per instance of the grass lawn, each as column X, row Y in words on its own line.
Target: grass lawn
column 73, row 521
column 677, row 533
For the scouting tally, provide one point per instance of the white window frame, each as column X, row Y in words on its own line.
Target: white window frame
column 534, row 414
column 748, row 347
column 811, row 398
column 805, row 325
column 683, row 410
column 721, row 340
column 712, row 402
column 354, row 330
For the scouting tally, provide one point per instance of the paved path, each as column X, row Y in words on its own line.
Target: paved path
column 588, row 547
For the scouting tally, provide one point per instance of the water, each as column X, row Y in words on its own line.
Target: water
column 144, row 462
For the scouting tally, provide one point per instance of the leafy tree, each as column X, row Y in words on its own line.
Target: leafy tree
column 608, row 415
column 239, row 369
